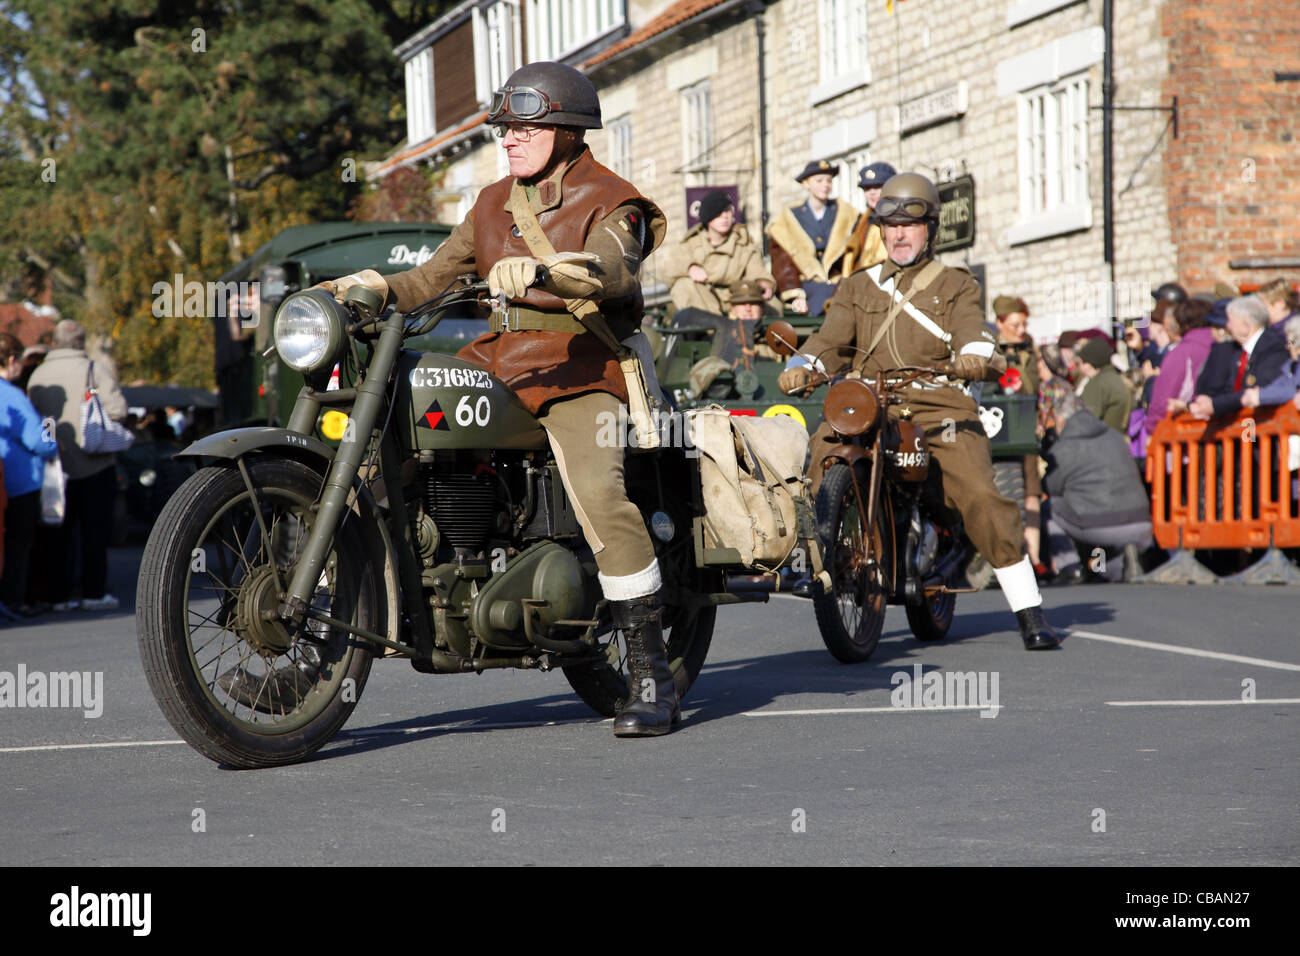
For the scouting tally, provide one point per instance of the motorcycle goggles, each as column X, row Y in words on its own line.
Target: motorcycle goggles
column 510, row 104
column 899, row 211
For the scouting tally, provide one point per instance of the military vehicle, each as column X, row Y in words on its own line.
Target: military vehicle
column 255, row 387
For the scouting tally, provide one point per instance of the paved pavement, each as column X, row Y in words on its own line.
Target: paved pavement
column 1130, row 745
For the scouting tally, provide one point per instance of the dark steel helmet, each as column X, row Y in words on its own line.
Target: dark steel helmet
column 549, row 94
column 908, row 197
column 1170, row 292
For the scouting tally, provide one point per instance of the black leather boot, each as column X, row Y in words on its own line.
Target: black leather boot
column 651, row 708
column 282, row 690
column 1035, row 631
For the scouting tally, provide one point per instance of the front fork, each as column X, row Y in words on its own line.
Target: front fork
column 369, row 405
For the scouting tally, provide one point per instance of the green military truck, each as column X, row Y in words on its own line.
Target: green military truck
column 254, row 387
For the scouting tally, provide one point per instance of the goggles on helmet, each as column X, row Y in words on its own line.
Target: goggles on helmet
column 520, row 103
column 905, row 209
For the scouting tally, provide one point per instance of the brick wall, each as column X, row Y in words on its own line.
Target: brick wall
column 1234, row 173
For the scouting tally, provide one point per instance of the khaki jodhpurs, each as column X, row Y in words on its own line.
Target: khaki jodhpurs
column 966, row 466
column 593, row 479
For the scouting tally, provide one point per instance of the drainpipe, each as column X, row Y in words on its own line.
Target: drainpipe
column 758, row 8
column 1107, row 172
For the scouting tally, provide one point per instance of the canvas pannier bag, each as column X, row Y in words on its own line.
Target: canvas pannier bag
column 752, row 476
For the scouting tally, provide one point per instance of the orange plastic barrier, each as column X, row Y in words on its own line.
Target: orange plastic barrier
column 1225, row 483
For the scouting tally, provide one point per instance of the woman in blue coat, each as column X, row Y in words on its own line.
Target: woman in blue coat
column 25, row 445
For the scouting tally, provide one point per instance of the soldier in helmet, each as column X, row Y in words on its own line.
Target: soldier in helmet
column 912, row 310
column 866, row 248
column 600, row 228
column 808, row 242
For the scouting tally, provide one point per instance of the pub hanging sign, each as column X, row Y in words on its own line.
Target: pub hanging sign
column 956, row 214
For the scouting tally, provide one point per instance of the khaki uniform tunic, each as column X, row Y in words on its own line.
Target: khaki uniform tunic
column 737, row 258
column 950, row 418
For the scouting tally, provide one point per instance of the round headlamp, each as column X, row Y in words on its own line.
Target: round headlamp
column 309, row 330
column 851, row 407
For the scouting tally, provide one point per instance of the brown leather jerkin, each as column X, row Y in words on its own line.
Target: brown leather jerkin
column 641, row 405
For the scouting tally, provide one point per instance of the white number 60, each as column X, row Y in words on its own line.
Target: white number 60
column 479, row 414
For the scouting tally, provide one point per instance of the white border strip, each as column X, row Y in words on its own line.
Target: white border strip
column 1194, row 652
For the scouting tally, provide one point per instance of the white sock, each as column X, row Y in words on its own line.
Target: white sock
column 625, row 587
column 1019, row 585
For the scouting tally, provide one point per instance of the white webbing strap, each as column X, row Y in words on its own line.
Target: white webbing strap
column 917, row 315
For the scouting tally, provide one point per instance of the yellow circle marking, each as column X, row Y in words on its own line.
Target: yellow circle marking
column 333, row 424
column 786, row 410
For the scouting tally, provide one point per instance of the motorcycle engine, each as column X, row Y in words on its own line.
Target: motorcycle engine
column 463, row 507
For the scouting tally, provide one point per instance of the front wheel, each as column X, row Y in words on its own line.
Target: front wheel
column 860, row 561
column 236, row 684
column 931, row 619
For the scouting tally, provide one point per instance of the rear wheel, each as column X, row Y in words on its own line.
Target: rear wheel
column 860, row 561
column 687, row 627
column 687, row 634
column 237, row 685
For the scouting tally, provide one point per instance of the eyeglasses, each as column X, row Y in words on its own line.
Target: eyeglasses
column 913, row 209
column 522, row 102
column 522, row 133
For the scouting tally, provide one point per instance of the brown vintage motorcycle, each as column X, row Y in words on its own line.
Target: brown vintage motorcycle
column 887, row 536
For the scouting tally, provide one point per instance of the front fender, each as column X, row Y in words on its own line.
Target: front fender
column 850, row 455
column 237, row 442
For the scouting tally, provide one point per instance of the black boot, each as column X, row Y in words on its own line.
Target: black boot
column 1035, row 631
column 279, row 693
column 651, row 708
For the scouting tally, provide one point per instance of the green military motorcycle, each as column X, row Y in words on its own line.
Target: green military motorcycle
column 438, row 531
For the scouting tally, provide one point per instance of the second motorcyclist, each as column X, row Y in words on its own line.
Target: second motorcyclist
column 912, row 310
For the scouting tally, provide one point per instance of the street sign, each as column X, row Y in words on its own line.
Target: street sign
column 956, row 215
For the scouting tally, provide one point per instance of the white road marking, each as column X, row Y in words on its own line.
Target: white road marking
column 346, row 734
column 1194, row 652
column 866, row 710
column 1201, row 703
column 120, row 743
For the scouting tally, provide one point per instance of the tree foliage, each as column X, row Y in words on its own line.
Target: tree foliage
column 144, row 138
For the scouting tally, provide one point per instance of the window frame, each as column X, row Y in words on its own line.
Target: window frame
column 619, row 133
column 559, row 28
column 843, row 48
column 420, row 119
column 1054, row 168
column 697, row 132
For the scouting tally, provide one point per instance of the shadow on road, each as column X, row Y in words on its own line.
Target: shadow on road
column 729, row 688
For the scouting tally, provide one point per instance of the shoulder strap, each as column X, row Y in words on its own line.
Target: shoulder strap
column 584, row 310
column 903, row 303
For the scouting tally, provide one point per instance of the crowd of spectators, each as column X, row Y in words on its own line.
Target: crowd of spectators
column 1099, row 403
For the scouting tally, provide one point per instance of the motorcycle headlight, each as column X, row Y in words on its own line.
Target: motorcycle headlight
column 309, row 330
column 851, row 407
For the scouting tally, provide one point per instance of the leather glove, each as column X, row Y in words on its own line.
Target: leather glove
column 512, row 276
column 794, row 379
column 368, row 278
column 973, row 368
